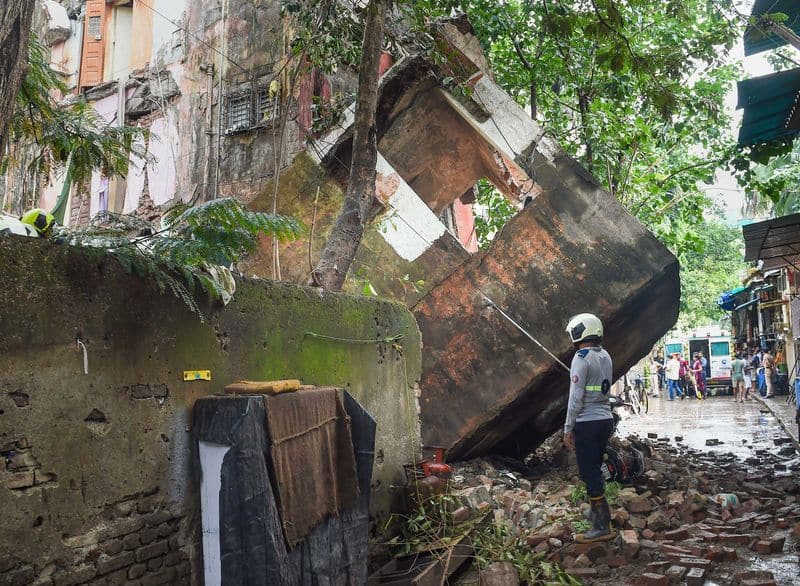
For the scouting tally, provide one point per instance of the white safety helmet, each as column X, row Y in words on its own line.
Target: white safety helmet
column 584, row 326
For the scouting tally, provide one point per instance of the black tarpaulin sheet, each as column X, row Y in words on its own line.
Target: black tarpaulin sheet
column 362, row 430
column 312, row 459
column 253, row 548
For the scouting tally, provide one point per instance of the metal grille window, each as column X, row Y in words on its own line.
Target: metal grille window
column 94, row 26
column 239, row 111
column 267, row 107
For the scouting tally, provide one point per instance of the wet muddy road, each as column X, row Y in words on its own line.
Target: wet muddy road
column 748, row 431
column 741, row 429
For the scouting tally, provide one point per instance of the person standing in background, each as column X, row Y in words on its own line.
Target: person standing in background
column 658, row 367
column 673, row 369
column 704, row 362
column 748, row 374
column 737, row 378
column 699, row 372
column 684, row 372
column 769, row 371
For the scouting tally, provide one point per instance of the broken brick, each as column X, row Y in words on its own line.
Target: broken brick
column 674, row 549
column 535, row 539
column 594, row 551
column 721, row 554
column 654, row 580
column 776, row 544
column 616, row 561
column 640, row 505
column 638, row 522
column 763, row 547
column 676, row 573
column 755, row 578
column 695, row 562
column 737, row 538
column 583, row 572
column 619, row 517
column 583, row 561
column 657, row 567
column 677, row 534
column 657, row 521
column 630, row 543
column 695, row 577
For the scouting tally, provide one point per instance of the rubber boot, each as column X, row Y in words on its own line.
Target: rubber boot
column 601, row 522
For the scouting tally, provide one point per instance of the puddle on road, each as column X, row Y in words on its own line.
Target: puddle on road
column 741, row 428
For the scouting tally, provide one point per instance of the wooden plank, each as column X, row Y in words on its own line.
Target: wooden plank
column 273, row 387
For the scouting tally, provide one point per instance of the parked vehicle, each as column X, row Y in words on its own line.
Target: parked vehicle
column 715, row 344
column 621, row 463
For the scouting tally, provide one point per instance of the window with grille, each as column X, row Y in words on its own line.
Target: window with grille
column 247, row 108
column 239, row 112
column 94, row 26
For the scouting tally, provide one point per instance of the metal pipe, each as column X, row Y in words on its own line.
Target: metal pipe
column 491, row 303
column 208, row 69
column 220, row 97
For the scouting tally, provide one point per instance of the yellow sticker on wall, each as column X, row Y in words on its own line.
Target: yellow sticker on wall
column 196, row 375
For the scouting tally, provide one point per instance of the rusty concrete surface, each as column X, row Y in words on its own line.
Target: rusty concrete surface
column 485, row 386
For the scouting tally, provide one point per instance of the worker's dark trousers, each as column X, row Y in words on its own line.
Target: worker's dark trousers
column 591, row 438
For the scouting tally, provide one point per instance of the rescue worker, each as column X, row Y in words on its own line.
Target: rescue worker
column 589, row 421
column 33, row 223
column 41, row 220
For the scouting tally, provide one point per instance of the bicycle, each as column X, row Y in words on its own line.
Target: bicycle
column 635, row 399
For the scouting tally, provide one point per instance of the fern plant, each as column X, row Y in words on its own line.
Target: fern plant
column 192, row 248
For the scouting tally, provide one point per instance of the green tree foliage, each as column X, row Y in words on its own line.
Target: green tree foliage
column 70, row 130
column 327, row 32
column 184, row 256
column 493, row 210
column 776, row 186
column 632, row 88
column 707, row 272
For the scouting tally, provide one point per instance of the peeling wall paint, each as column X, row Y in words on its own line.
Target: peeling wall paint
column 165, row 146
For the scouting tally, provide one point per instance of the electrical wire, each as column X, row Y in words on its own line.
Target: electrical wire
column 194, row 36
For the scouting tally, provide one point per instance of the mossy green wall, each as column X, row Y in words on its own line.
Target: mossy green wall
column 53, row 294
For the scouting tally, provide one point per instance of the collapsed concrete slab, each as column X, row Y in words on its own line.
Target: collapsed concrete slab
column 485, row 386
column 572, row 248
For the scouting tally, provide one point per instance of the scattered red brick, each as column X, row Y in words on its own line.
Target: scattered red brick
column 696, row 577
column 654, row 580
column 677, row 534
column 776, row 544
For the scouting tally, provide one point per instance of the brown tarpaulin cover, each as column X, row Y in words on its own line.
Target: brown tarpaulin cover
column 312, row 457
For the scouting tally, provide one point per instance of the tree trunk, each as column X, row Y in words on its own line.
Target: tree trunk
column 583, row 106
column 15, row 28
column 345, row 238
